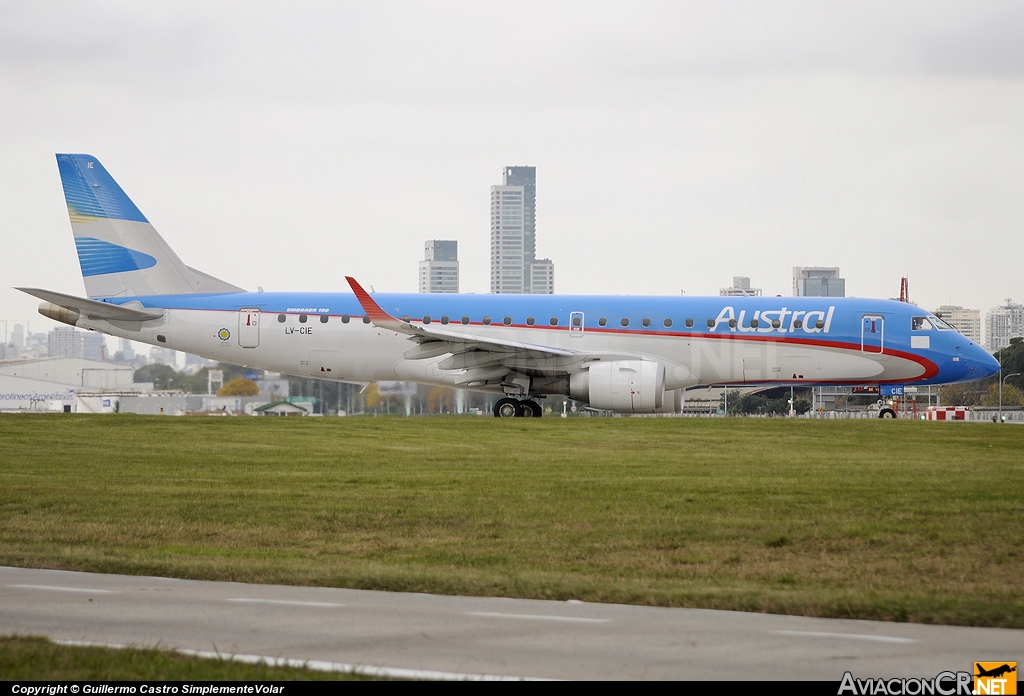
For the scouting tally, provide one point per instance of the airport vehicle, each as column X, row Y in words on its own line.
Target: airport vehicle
column 631, row 354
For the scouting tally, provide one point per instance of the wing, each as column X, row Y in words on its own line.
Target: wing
column 482, row 358
column 423, row 334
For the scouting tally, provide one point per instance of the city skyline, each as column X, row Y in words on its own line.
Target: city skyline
column 679, row 143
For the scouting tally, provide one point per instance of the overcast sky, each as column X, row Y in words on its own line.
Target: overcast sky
column 677, row 144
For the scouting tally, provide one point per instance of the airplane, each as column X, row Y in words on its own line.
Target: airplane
column 620, row 353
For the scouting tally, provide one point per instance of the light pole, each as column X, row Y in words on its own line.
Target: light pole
column 1001, row 380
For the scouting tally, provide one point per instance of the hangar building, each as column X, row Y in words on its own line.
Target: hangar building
column 57, row 384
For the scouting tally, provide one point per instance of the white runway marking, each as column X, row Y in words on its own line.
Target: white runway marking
column 64, row 589
column 286, row 602
column 534, row 617
column 850, row 636
column 90, row 644
column 324, row 665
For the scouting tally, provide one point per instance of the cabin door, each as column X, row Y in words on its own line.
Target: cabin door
column 872, row 333
column 249, row 328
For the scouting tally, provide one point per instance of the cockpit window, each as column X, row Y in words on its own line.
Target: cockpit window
column 940, row 325
column 920, row 324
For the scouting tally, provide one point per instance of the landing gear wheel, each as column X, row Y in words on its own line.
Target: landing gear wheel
column 886, row 413
column 508, row 408
column 531, row 409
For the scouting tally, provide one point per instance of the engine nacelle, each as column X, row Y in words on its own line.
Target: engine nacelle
column 632, row 386
column 58, row 313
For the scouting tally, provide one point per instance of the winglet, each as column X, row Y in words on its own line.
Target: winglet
column 373, row 310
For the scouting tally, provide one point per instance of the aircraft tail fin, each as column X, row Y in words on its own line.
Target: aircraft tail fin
column 121, row 254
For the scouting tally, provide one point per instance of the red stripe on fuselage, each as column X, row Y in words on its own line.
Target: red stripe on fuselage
column 930, row 368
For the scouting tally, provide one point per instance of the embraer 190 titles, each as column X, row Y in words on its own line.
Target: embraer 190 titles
column 628, row 354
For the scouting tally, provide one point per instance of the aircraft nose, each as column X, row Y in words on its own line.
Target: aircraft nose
column 983, row 362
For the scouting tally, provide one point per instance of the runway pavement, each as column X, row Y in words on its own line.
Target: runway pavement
column 451, row 636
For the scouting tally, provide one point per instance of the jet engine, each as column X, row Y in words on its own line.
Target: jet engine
column 636, row 386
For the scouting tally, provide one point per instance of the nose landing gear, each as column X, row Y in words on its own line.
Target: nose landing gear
column 514, row 408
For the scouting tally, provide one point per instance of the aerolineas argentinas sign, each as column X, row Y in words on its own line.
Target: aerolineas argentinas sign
column 782, row 320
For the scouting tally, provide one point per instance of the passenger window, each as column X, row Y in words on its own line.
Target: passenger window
column 798, row 324
column 689, row 323
column 444, row 320
column 406, row 319
column 323, row 318
column 554, row 321
column 302, row 318
column 366, row 320
column 602, row 322
column 711, row 323
column 668, row 323
column 345, row 318
column 820, row 324
column 529, row 321
column 487, row 321
column 920, row 324
column 577, row 322
column 625, row 321
column 646, row 322
column 776, row 323
column 281, row 318
column 426, row 318
column 465, row 321
column 507, row 321
column 753, row 323
column 732, row 323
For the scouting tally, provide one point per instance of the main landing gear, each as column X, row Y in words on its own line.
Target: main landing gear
column 514, row 408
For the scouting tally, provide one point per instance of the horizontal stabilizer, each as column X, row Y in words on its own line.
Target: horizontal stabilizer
column 93, row 309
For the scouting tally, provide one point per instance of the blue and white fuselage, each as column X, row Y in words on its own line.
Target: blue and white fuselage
column 623, row 353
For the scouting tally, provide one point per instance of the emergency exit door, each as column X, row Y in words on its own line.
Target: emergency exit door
column 575, row 323
column 249, row 328
column 872, row 333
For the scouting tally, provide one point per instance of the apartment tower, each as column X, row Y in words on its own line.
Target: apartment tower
column 439, row 271
column 515, row 268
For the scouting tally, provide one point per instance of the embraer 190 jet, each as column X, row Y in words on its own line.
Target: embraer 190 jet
column 628, row 354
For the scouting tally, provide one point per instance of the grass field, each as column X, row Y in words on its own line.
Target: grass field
column 39, row 659
column 896, row 520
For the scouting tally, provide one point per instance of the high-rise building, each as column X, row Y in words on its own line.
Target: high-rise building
column 1003, row 323
column 439, row 271
column 94, row 346
column 818, row 281
column 740, row 288
column 64, row 342
column 194, row 363
column 966, row 321
column 542, row 277
column 18, row 336
column 164, row 356
column 514, row 236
